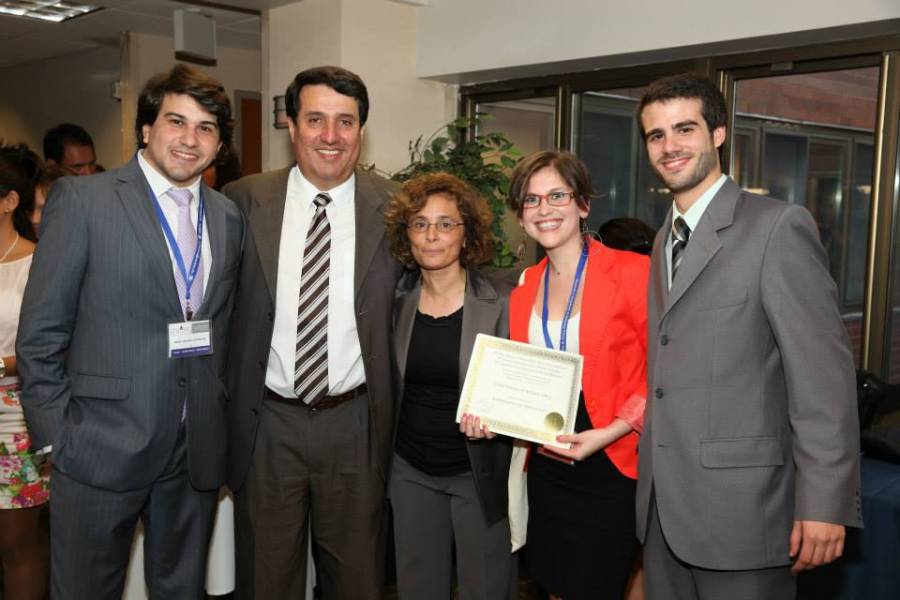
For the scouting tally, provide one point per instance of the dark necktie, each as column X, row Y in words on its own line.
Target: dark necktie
column 311, row 359
column 680, row 235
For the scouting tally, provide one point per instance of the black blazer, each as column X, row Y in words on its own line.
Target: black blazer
column 485, row 310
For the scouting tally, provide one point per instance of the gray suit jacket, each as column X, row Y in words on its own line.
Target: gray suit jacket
column 93, row 336
column 751, row 416
column 485, row 310
column 261, row 198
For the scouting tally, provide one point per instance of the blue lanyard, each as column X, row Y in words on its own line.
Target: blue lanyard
column 187, row 276
column 565, row 321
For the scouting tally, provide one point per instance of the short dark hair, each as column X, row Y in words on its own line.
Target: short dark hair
column 337, row 78
column 691, row 86
column 570, row 168
column 64, row 134
column 208, row 92
column 477, row 216
column 20, row 170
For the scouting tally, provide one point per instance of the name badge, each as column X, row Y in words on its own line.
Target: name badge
column 190, row 338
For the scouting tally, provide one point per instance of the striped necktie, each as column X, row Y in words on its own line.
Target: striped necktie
column 311, row 358
column 680, row 235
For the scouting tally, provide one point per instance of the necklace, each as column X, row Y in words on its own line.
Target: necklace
column 10, row 249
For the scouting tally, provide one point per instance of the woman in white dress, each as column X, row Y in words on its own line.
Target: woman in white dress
column 23, row 483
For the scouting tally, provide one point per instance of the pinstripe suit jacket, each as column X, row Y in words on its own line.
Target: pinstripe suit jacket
column 93, row 336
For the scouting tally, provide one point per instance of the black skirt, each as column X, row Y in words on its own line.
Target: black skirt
column 581, row 525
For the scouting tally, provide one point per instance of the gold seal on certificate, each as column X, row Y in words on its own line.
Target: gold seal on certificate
column 522, row 391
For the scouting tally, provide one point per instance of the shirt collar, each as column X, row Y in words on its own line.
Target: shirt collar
column 693, row 214
column 307, row 192
column 159, row 184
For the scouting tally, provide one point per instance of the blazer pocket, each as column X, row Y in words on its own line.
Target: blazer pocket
column 726, row 298
column 101, row 386
column 741, row 452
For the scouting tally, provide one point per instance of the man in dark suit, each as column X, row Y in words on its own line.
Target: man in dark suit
column 749, row 461
column 121, row 347
column 310, row 367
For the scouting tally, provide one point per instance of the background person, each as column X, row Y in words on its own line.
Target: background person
column 23, row 480
column 587, row 298
column 48, row 176
column 69, row 146
column 446, row 488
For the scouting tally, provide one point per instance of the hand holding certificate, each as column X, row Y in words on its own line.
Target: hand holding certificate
column 522, row 391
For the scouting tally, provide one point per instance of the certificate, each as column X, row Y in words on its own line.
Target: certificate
column 520, row 390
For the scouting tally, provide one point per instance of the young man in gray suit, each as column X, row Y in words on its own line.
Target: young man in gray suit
column 121, row 348
column 310, row 373
column 749, row 461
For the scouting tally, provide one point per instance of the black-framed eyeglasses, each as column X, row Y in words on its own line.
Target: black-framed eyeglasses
column 441, row 225
column 553, row 199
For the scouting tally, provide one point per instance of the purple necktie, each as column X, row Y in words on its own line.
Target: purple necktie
column 187, row 245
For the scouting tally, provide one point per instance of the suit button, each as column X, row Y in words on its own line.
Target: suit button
column 255, row 411
column 182, row 382
column 664, row 340
column 260, row 364
column 269, row 316
column 659, row 393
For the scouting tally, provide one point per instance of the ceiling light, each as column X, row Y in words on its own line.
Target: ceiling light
column 46, row 10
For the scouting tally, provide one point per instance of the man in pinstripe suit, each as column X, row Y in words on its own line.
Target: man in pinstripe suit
column 135, row 423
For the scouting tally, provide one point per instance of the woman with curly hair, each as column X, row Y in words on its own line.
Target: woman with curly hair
column 23, row 482
column 448, row 482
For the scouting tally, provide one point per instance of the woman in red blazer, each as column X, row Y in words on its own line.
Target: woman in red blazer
column 587, row 298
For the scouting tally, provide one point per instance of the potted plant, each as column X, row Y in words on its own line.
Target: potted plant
column 483, row 161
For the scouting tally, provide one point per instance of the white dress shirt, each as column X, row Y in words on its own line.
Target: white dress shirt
column 691, row 217
column 345, row 365
column 160, row 185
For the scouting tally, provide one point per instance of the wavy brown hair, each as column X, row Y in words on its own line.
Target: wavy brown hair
column 474, row 210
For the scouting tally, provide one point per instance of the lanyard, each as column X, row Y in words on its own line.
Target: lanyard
column 565, row 321
column 187, row 275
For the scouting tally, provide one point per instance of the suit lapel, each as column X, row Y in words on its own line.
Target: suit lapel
column 265, row 220
column 704, row 242
column 134, row 193
column 369, row 228
column 406, row 316
column 480, row 313
column 659, row 271
column 215, row 226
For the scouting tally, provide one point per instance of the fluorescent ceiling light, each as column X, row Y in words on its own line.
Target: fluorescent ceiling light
column 45, row 10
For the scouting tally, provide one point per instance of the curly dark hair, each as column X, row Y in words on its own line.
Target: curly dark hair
column 20, row 170
column 570, row 168
column 474, row 210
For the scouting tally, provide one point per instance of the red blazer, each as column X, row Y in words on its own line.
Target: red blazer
column 612, row 339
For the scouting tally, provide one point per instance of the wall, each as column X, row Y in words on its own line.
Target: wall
column 377, row 40
column 504, row 34
column 146, row 55
column 75, row 88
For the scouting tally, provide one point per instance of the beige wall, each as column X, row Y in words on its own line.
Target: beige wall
column 377, row 40
column 467, row 36
column 146, row 55
column 73, row 88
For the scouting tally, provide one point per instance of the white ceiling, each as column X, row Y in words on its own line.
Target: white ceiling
column 24, row 40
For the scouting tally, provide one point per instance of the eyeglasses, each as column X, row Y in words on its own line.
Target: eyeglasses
column 553, row 199
column 441, row 225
